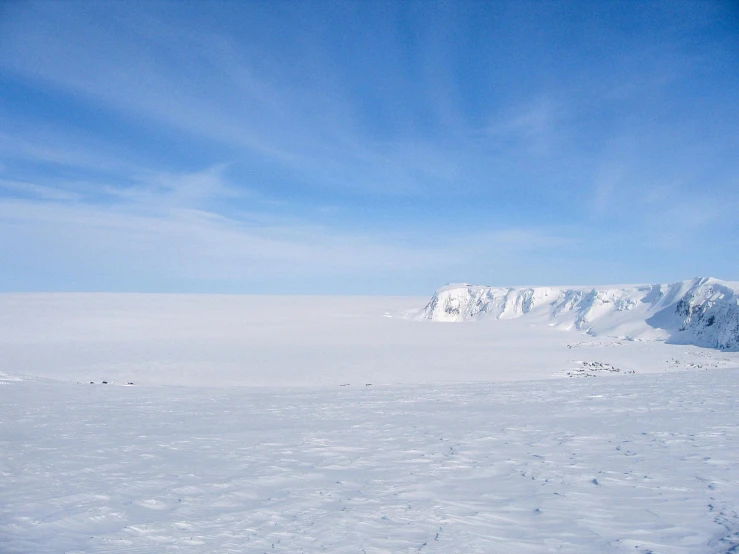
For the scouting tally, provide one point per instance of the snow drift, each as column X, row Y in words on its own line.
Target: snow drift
column 702, row 311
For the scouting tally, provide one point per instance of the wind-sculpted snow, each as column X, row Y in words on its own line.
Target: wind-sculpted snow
column 613, row 465
column 601, row 444
column 702, row 312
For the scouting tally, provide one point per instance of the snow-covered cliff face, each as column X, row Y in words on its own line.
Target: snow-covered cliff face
column 702, row 311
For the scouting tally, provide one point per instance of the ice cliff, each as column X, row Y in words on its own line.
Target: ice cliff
column 701, row 311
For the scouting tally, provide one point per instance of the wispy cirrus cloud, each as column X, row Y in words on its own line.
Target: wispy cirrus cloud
column 158, row 234
column 446, row 140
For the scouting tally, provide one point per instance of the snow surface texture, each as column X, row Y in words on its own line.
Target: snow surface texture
column 296, row 424
column 703, row 311
column 615, row 465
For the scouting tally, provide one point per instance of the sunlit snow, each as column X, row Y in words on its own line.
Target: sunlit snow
column 312, row 424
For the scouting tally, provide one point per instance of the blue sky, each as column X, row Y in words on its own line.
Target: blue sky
column 366, row 147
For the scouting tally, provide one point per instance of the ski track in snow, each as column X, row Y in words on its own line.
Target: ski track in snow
column 644, row 463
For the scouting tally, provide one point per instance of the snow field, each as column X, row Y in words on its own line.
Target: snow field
column 277, row 443
column 201, row 340
column 638, row 463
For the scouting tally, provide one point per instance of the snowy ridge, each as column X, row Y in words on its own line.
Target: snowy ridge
column 702, row 311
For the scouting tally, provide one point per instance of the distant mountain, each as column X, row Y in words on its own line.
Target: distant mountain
column 702, row 311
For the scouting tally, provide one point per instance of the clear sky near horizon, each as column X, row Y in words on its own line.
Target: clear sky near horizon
column 366, row 147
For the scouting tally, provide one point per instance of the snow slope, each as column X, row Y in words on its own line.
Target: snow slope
column 702, row 311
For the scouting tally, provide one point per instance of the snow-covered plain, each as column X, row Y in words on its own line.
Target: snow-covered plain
column 298, row 424
column 299, row 341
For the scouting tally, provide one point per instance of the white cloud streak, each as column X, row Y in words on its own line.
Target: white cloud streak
column 158, row 232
